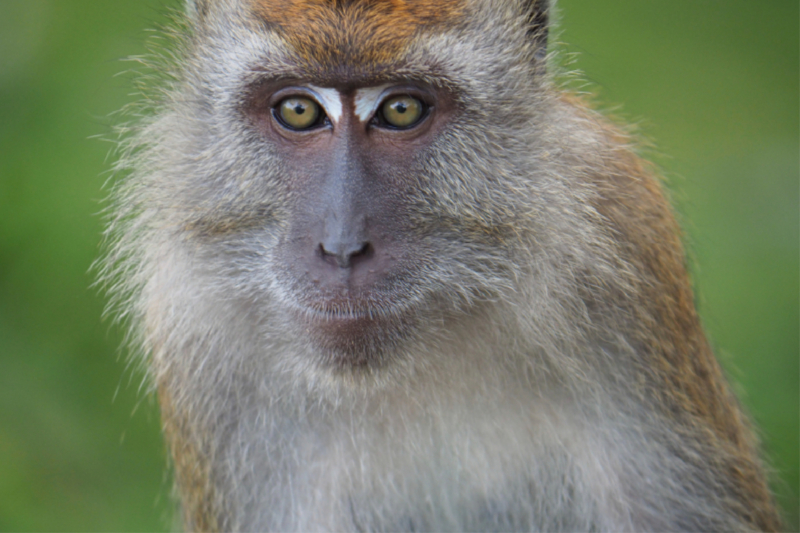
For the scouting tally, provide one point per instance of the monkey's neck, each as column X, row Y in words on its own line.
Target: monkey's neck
column 442, row 446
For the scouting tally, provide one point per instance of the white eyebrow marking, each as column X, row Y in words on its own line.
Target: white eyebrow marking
column 367, row 100
column 331, row 101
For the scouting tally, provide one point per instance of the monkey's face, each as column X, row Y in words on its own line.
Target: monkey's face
column 351, row 161
column 362, row 197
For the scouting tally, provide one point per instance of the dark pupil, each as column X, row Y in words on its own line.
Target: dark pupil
column 299, row 109
column 400, row 107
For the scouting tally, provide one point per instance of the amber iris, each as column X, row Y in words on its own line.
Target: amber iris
column 299, row 113
column 402, row 111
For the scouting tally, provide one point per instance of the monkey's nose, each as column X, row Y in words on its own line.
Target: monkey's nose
column 343, row 254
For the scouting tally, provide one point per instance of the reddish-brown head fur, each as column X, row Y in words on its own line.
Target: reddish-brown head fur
column 366, row 33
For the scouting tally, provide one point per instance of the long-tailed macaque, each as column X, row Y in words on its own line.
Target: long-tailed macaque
column 387, row 276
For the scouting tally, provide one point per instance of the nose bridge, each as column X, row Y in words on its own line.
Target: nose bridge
column 342, row 193
column 344, row 232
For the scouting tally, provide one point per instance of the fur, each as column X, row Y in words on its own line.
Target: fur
column 555, row 376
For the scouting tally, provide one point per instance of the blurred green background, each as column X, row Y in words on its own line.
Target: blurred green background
column 714, row 85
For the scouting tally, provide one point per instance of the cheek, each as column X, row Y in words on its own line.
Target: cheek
column 398, row 175
column 459, row 186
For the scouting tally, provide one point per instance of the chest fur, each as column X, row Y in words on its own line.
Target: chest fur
column 466, row 468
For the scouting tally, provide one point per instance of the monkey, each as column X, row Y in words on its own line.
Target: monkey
column 386, row 275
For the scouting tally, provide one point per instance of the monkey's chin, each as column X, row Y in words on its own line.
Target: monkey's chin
column 356, row 338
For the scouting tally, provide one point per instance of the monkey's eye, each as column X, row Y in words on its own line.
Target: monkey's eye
column 402, row 112
column 299, row 113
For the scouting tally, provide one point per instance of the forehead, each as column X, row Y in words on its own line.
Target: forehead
column 332, row 34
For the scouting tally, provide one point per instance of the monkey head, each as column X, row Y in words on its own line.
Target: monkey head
column 357, row 172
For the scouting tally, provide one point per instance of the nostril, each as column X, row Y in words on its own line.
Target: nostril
column 343, row 255
column 365, row 251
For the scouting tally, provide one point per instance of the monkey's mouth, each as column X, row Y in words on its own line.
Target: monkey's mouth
column 345, row 301
column 347, row 311
column 332, row 314
column 353, row 331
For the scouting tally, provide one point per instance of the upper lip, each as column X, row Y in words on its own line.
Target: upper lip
column 343, row 313
column 346, row 308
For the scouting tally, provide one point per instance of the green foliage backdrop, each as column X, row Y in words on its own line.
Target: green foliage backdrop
column 714, row 86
